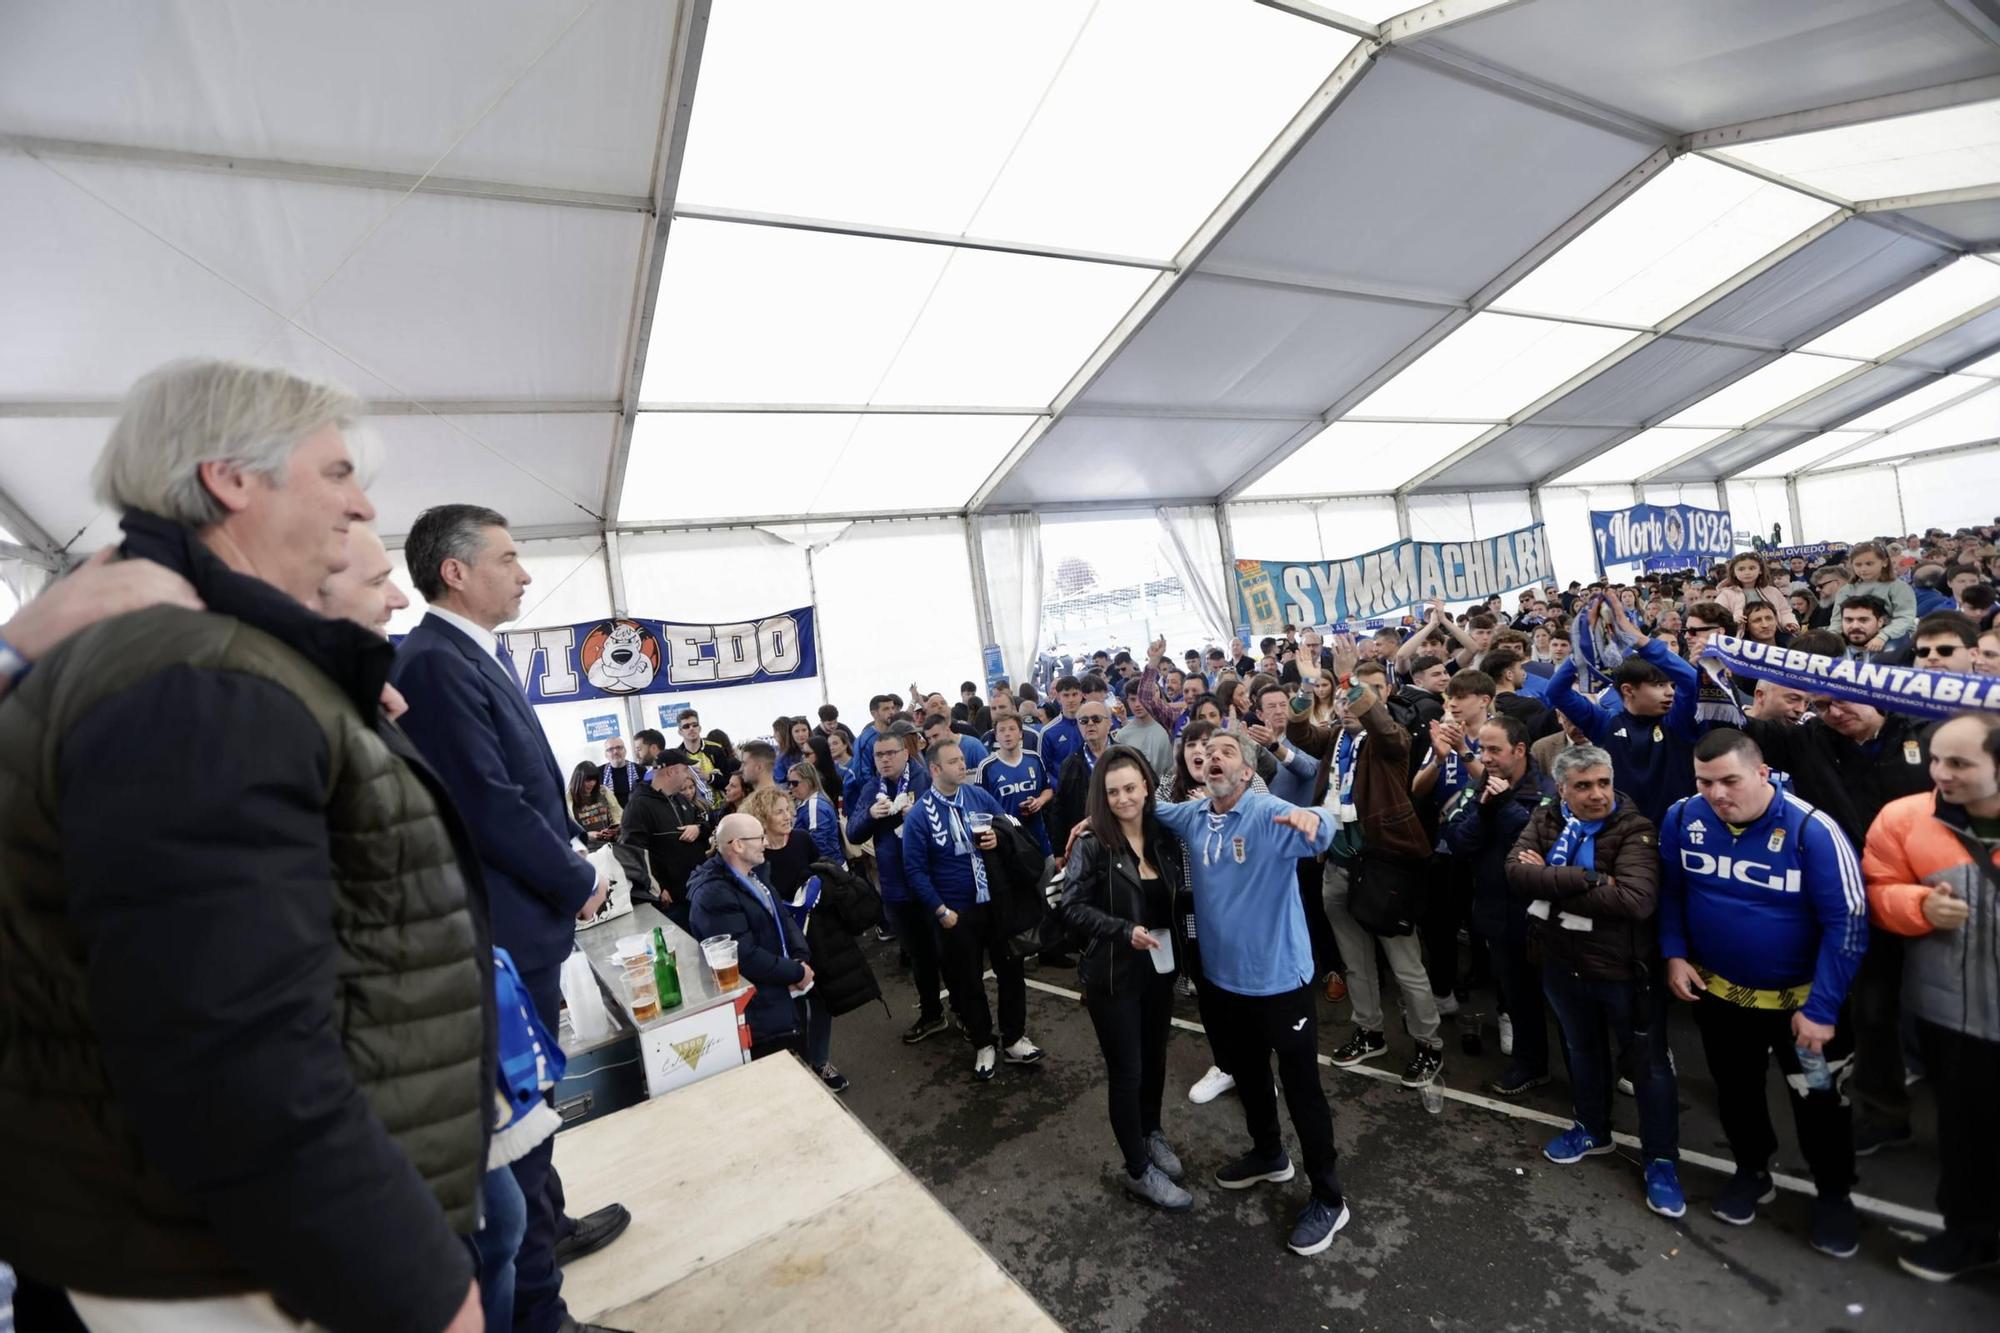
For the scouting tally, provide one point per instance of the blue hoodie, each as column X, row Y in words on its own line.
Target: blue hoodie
column 1773, row 907
column 1652, row 756
column 938, row 850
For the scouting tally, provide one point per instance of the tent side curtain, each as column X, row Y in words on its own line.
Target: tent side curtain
column 1191, row 541
column 1010, row 545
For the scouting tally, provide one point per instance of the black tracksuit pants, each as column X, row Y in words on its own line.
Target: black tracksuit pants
column 1740, row 1044
column 969, row 947
column 1248, row 1030
column 1965, row 1072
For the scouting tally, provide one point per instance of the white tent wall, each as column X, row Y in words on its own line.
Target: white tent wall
column 1951, row 492
column 896, row 607
column 1566, row 512
column 1311, row 529
column 1756, row 504
column 722, row 574
column 1849, row 506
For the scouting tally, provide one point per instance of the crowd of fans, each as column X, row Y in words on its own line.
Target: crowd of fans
column 279, row 1045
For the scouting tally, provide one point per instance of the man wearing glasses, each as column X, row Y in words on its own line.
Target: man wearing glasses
column 1073, row 780
column 620, row 776
column 726, row 898
column 1946, row 641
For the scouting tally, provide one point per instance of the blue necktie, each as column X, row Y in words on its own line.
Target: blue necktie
column 507, row 664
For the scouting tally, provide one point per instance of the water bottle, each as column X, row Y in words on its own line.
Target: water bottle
column 1819, row 1078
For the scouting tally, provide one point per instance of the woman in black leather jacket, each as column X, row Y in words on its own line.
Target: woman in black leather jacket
column 1119, row 889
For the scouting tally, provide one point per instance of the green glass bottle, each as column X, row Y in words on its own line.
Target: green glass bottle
column 666, row 975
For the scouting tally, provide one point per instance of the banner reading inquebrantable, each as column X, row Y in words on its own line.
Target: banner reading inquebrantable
column 1273, row 593
column 609, row 659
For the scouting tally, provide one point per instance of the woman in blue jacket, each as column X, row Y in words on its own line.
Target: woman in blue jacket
column 816, row 816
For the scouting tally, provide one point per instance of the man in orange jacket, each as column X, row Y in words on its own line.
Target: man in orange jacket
column 1932, row 863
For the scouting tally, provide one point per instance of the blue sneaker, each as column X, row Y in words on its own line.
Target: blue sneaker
column 1576, row 1143
column 1318, row 1222
column 1663, row 1189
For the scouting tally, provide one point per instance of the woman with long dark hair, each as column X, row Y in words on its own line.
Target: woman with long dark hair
column 595, row 808
column 793, row 737
column 1119, row 889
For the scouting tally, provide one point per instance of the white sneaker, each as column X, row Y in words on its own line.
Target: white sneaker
column 1024, row 1052
column 1506, row 1035
column 982, row 1063
column 1447, row 1005
column 1210, row 1086
column 1625, row 1087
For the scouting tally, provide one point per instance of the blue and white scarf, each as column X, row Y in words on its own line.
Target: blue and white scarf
column 1575, row 846
column 1345, row 751
column 1911, row 691
column 951, row 828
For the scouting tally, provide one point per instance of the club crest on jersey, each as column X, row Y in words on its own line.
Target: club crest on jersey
column 1777, row 841
column 1236, row 849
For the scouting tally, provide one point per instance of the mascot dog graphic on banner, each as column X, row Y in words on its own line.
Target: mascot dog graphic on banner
column 620, row 657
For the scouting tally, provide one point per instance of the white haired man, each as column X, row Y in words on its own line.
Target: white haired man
column 209, row 1119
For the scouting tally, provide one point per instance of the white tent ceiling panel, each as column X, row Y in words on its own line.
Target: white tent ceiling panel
column 1762, row 391
column 83, row 270
column 1838, row 405
column 525, row 96
column 752, row 314
column 1948, row 351
column 45, row 466
column 1357, row 457
column 1801, row 456
column 1653, row 382
column 1685, row 231
column 1735, row 452
column 1492, row 366
column 1441, row 518
column 1221, row 344
column 720, row 465
column 470, row 298
column 1944, row 149
column 537, row 470
column 1920, row 400
column 1818, row 286
column 1973, row 222
column 1113, row 127
column 1926, row 304
column 1383, row 190
column 1970, row 422
column 1702, row 63
column 1137, row 459
column 1935, row 494
column 1637, row 456
column 1523, row 455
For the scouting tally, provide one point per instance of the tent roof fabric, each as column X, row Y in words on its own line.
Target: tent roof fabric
column 633, row 263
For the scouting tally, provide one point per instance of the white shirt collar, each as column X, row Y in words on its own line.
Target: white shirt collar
column 486, row 639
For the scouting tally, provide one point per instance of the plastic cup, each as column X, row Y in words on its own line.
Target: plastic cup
column 978, row 821
column 720, row 953
column 640, row 987
column 1433, row 1097
column 629, row 943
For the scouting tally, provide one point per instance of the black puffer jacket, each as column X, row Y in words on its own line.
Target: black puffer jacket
column 1620, row 905
column 1101, row 903
column 848, row 905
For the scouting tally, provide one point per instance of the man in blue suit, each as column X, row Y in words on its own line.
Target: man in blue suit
column 470, row 717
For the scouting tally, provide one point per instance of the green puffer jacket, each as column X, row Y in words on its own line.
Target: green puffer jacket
column 246, row 1008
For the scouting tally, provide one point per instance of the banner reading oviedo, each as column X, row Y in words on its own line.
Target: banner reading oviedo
column 609, row 659
column 1271, row 593
column 1661, row 536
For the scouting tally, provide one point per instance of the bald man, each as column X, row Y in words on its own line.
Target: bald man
column 726, row 898
column 363, row 592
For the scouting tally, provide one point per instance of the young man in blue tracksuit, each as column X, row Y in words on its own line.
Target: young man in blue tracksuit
column 1763, row 923
column 946, row 874
column 1017, row 778
column 1062, row 737
column 1646, row 722
column 1257, row 974
column 877, row 811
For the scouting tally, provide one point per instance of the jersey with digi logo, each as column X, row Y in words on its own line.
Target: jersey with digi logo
column 1014, row 784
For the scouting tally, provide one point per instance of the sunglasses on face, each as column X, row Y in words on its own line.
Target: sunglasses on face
column 1940, row 650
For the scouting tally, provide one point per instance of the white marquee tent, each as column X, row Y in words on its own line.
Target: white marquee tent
column 737, row 305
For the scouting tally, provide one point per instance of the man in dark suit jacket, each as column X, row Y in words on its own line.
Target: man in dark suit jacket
column 470, row 717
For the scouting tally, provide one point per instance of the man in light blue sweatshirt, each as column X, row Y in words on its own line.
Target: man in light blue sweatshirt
column 1257, row 974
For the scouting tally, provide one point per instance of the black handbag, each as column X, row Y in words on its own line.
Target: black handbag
column 1386, row 893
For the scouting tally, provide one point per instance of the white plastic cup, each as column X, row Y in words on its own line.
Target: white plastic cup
column 978, row 821
column 720, row 953
column 1433, row 1097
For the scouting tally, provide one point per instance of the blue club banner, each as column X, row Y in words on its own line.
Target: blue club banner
column 1661, row 536
column 1272, row 593
column 1913, row 691
column 611, row 659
